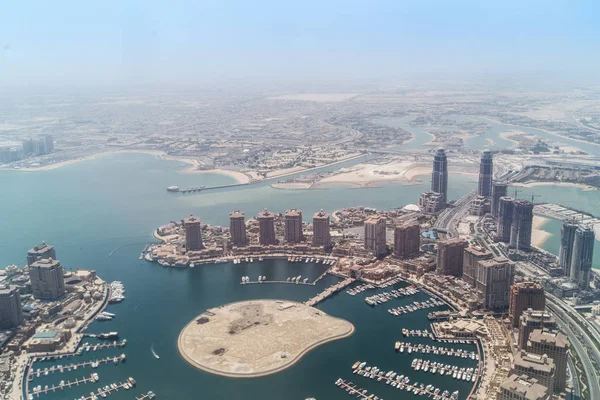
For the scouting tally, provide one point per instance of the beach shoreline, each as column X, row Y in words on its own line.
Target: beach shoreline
column 581, row 186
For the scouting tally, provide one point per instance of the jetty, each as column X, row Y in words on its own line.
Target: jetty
column 96, row 347
column 293, row 282
column 149, row 395
column 74, row 366
column 37, row 391
column 353, row 389
column 328, row 292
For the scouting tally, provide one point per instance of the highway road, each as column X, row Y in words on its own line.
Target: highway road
column 448, row 218
column 584, row 350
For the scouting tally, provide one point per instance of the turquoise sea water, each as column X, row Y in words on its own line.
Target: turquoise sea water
column 88, row 210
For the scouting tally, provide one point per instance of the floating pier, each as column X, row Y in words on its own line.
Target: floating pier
column 74, row 366
column 401, row 347
column 62, row 386
column 149, row 395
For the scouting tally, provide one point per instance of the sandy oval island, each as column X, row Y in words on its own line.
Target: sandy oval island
column 257, row 338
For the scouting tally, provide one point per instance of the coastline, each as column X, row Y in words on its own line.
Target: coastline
column 290, row 363
column 581, row 186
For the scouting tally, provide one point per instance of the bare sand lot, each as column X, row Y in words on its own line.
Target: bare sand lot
column 538, row 235
column 258, row 337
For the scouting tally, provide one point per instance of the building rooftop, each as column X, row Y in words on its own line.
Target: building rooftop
column 191, row 220
column 51, row 334
column 478, row 251
column 374, row 220
column 236, row 214
column 40, row 248
column 527, row 387
column 534, row 361
column 266, row 214
column 293, row 212
column 552, row 337
column 321, row 214
column 46, row 263
column 6, row 291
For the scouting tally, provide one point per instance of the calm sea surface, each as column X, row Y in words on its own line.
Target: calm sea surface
column 88, row 210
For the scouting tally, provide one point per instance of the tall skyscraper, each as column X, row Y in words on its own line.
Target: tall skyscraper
column 193, row 233
column 556, row 346
column 493, row 281
column 40, row 252
column 47, row 279
column 375, row 240
column 439, row 176
column 504, row 220
column 581, row 259
column 321, row 235
column 525, row 296
column 486, row 172
column 540, row 367
column 48, row 144
column 266, row 226
column 293, row 226
column 472, row 256
column 237, row 228
column 407, row 240
column 567, row 238
column 450, row 257
column 11, row 312
column 522, row 222
column 499, row 189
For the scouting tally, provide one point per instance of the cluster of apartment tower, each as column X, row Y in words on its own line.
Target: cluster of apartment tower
column 47, row 283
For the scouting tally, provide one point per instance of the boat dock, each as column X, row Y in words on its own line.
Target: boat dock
column 149, row 395
column 353, row 389
column 37, row 391
column 461, row 374
column 101, row 346
column 328, row 292
column 290, row 282
column 417, row 333
column 109, row 389
column 401, row 347
column 74, row 366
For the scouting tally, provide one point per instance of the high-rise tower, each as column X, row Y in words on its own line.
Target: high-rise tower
column 266, row 227
column 375, row 240
column 439, row 176
column 407, row 240
column 567, row 238
column 522, row 223
column 237, row 228
column 193, row 233
column 499, row 189
column 486, row 171
column 293, row 226
column 321, row 236
column 581, row 259
column 504, row 220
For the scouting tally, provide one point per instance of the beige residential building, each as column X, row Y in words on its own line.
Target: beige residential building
column 522, row 387
column 321, row 234
column 193, row 233
column 555, row 345
column 407, row 240
column 47, row 280
column 293, row 226
column 540, row 367
column 375, row 240
column 237, row 228
column 450, row 257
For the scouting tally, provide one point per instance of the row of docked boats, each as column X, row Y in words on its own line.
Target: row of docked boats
column 359, row 289
column 414, row 348
column 415, row 306
column 384, row 297
column 461, row 374
column 105, row 316
column 401, row 382
column 353, row 389
column 247, row 259
column 417, row 333
column 325, row 261
column 117, row 292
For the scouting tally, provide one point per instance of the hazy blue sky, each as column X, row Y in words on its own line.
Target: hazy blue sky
column 199, row 41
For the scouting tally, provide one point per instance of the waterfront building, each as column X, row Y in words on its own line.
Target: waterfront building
column 237, row 228
column 567, row 237
column 499, row 189
column 48, row 144
column 522, row 223
column 431, row 202
column 11, row 313
column 522, row 387
column 581, row 259
column 47, row 280
column 450, row 257
column 407, row 240
column 555, row 345
column 439, row 176
column 493, row 281
column 40, row 252
column 486, row 171
column 531, row 320
column 525, row 296
column 504, row 220
column 375, row 240
column 540, row 367
column 266, row 227
column 321, row 235
column 193, row 233
column 472, row 256
column 293, row 226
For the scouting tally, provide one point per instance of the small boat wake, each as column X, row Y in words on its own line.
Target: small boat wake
column 153, row 352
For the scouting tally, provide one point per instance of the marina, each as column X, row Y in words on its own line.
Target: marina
column 384, row 297
column 37, row 390
column 73, row 367
column 353, row 389
column 416, row 306
column 401, row 347
column 465, row 374
column 401, row 382
column 109, row 389
column 417, row 333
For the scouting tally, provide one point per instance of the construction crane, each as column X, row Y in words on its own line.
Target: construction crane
column 516, row 191
column 533, row 196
